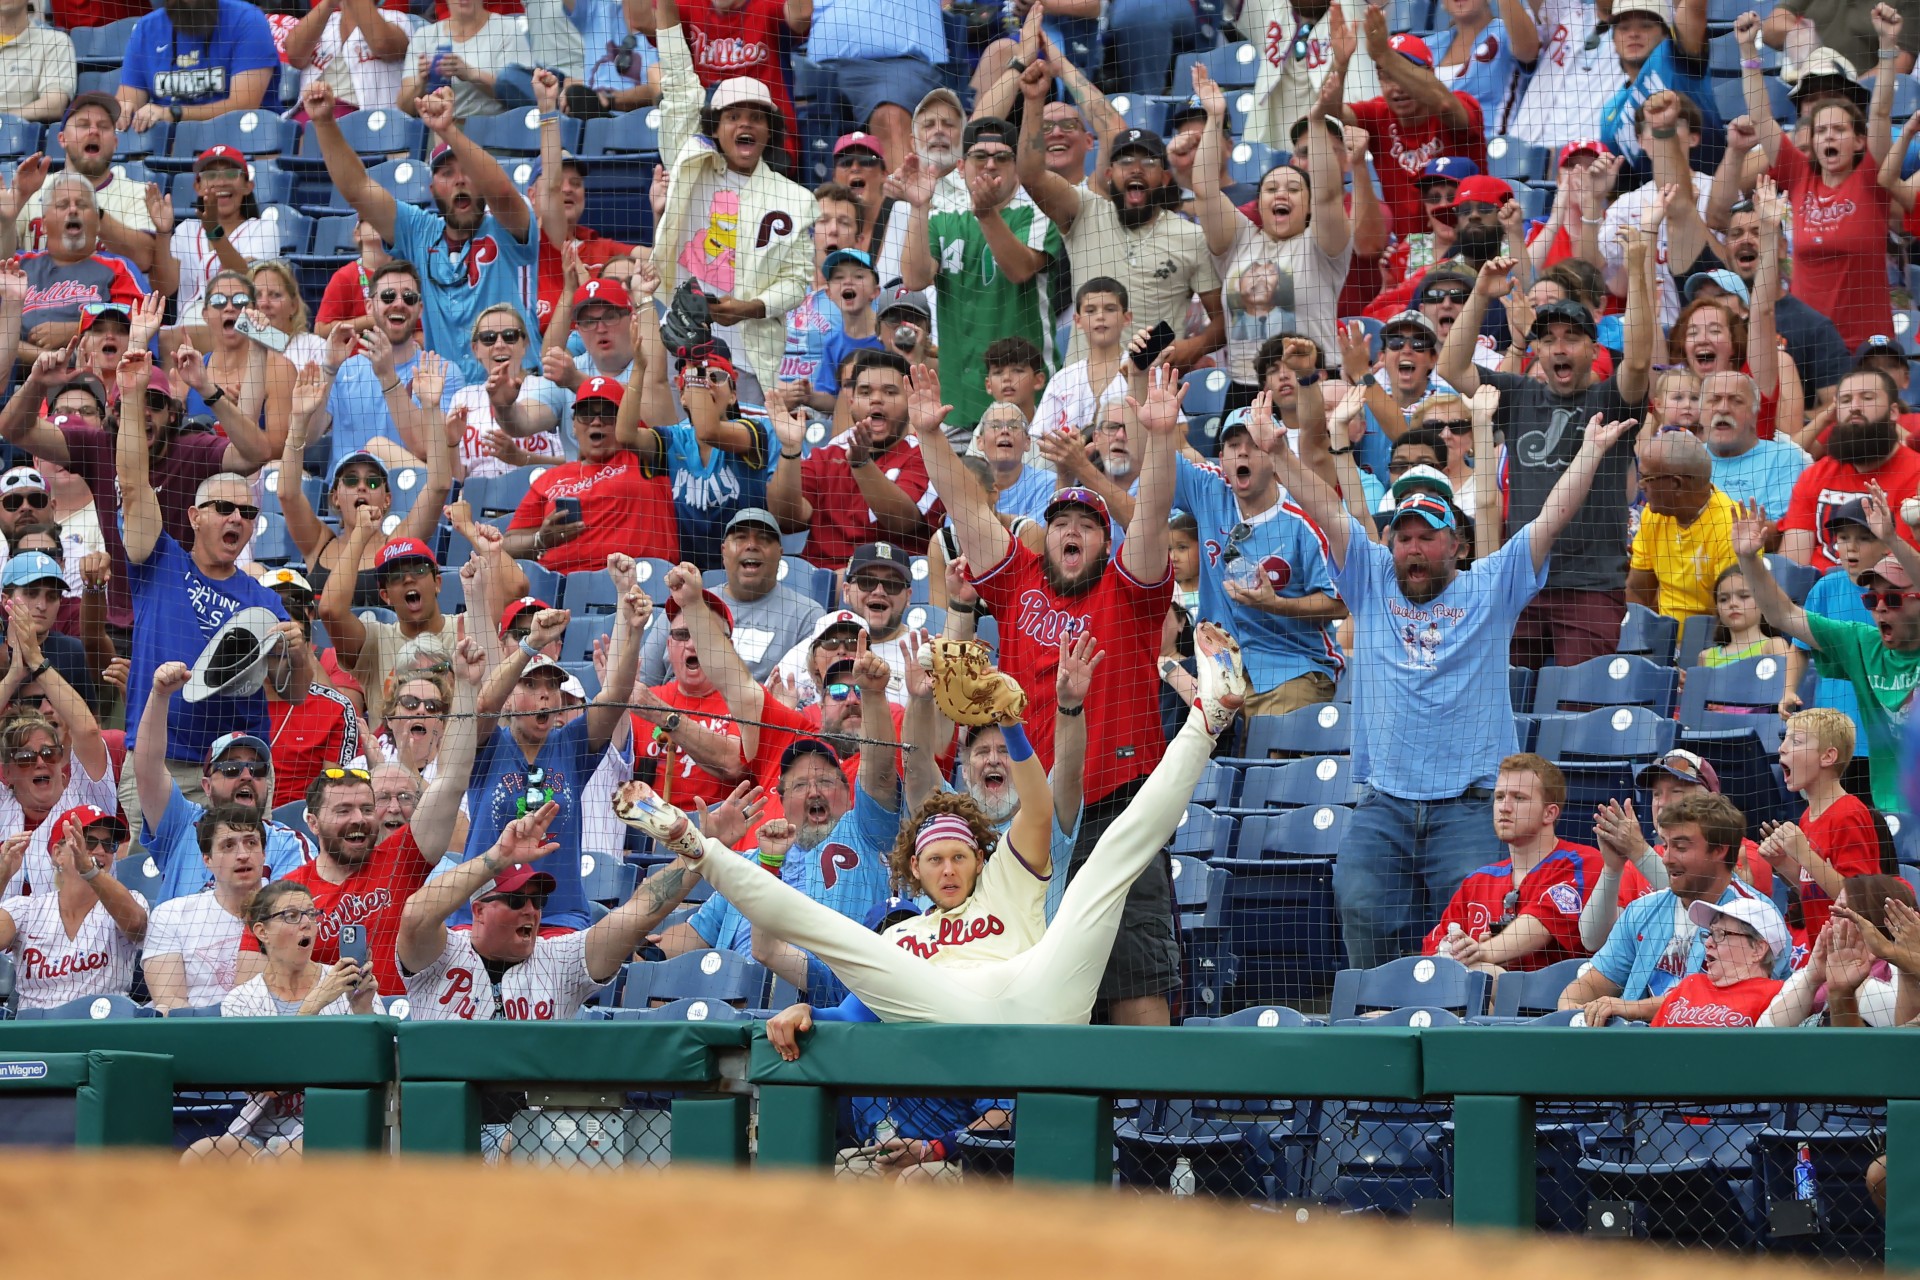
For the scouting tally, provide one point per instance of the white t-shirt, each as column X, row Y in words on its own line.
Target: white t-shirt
column 480, row 420
column 1625, row 212
column 548, row 986
column 1069, row 400
column 36, row 868
column 1571, row 82
column 123, row 201
column 495, row 47
column 205, row 936
column 1006, row 915
column 50, row 968
column 1270, row 287
column 794, row 667
column 304, row 349
column 37, row 61
column 357, row 77
column 255, row 239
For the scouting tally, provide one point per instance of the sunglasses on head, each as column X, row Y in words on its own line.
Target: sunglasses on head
column 1400, row 341
column 27, row 755
column 488, row 337
column 337, row 775
column 409, row 296
column 234, row 768
column 1892, row 599
column 432, row 706
column 221, row 301
column 14, row 501
column 221, row 507
column 515, row 901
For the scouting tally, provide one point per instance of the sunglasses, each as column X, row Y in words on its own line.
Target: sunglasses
column 991, row 157
column 1452, row 426
column 515, row 901
column 1401, row 341
column 1892, row 599
column 432, row 706
column 839, row 644
column 103, row 844
column 1459, row 295
column 409, row 296
column 234, row 768
column 221, row 507
column 841, row 692
column 596, row 411
column 362, row 480
column 27, row 755
column 858, row 159
column 874, row 582
column 488, row 337
column 1061, row 126
column 221, row 301
column 15, row 501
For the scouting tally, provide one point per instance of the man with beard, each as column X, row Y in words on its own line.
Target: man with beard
column 1075, row 585
column 180, row 598
column 361, row 876
column 769, row 618
column 71, row 277
column 1745, row 466
column 478, row 247
column 195, row 60
column 867, row 484
column 1578, row 615
column 731, row 224
column 1484, row 223
column 238, row 773
column 1135, row 235
column 88, row 140
column 1430, row 644
column 878, row 587
column 1881, row 659
column 1863, row 451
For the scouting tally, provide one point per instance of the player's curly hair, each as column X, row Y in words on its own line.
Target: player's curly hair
column 900, row 864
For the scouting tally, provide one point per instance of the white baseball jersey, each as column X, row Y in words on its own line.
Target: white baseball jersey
column 205, row 937
column 1006, row 915
column 1571, row 82
column 548, row 986
column 36, row 868
column 51, row 968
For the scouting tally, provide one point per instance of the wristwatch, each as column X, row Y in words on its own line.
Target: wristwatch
column 176, row 111
column 219, row 394
column 672, row 724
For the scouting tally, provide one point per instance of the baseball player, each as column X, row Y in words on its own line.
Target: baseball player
column 983, row 953
column 502, row 967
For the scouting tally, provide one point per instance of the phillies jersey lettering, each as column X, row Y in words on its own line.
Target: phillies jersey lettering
column 52, row 968
column 548, row 986
column 1005, row 915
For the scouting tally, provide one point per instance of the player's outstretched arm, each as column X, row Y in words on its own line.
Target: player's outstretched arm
column 423, row 924
column 611, row 942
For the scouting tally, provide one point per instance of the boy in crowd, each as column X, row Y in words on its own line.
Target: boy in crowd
column 1837, row 595
column 852, row 285
column 1101, row 312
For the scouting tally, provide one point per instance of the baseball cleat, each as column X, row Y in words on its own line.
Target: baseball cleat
column 1223, row 681
column 637, row 805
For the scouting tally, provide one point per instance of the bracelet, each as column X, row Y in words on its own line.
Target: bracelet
column 1071, row 712
column 529, row 650
column 219, row 394
column 1306, row 379
column 853, row 465
column 1668, row 132
column 549, row 117
column 1340, row 453
column 91, row 876
column 790, row 457
column 539, row 542
column 1017, row 65
column 387, row 391
column 1748, row 64
column 1888, row 55
column 954, row 606
column 1591, row 222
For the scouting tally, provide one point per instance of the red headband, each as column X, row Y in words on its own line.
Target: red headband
column 943, row 826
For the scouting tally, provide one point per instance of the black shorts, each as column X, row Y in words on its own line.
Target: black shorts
column 1146, row 951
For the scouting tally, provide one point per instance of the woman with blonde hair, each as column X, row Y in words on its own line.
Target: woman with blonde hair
column 277, row 302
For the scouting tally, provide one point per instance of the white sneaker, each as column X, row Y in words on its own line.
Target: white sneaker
column 1223, row 681
column 641, row 808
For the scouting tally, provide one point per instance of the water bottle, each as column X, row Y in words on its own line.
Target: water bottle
column 1806, row 1184
column 536, row 793
column 1182, row 1183
column 435, row 78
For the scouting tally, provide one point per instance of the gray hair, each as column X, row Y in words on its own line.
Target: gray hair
column 73, row 178
column 1751, row 387
column 212, row 482
column 425, row 652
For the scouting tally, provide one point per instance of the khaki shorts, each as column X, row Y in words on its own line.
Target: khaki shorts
column 1291, row 695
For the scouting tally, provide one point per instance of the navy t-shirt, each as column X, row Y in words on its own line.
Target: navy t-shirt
column 499, row 780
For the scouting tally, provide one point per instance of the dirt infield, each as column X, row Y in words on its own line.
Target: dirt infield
column 343, row 1219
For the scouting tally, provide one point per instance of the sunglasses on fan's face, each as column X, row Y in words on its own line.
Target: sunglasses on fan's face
column 1892, row 599
column 409, row 296
column 222, row 508
column 14, row 501
column 515, row 901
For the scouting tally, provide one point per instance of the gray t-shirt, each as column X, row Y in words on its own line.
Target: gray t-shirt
column 763, row 631
column 492, row 49
column 1543, row 431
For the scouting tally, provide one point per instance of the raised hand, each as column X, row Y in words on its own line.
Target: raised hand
column 870, row 671
column 913, row 182
column 469, row 659
column 1898, row 944
column 731, row 819
column 1494, row 279
column 1746, row 32
column 546, row 91
column 1160, row 415
column 1742, row 137
column 1750, row 529
column 136, row 369
column 1879, row 512
column 1266, row 437
column 309, row 393
column 525, row 840
column 548, row 626
column 317, row 98
column 436, row 110
column 429, row 379
column 925, row 413
column 13, row 851
column 1601, row 175
column 1602, row 436
column 1887, row 24
column 684, row 585
column 789, row 427
column 1078, row 660
column 379, row 350
column 1341, row 36
column 1208, row 90
column 171, row 677
column 1849, row 960
column 916, row 670
column 1654, row 211
column 1036, row 82
column 960, row 588
column 1374, row 24
column 1356, row 351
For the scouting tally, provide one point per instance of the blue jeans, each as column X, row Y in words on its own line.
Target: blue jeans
column 1143, row 36
column 1403, row 861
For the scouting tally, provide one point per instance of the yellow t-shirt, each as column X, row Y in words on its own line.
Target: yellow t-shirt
column 1687, row 559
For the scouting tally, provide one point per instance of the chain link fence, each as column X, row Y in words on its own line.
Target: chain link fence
column 576, row 1128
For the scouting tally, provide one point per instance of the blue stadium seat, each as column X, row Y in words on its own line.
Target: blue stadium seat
column 1679, row 1177
column 1723, row 57
column 252, row 133
column 1434, row 982
column 589, row 678
column 1756, row 684
column 1749, row 770
column 295, row 228
column 405, row 484
column 1211, row 969
column 577, row 644
column 649, row 574
column 687, row 1009
column 294, row 814
column 1520, row 682
column 1248, row 162
column 618, row 204
column 95, row 1008
column 1324, row 729
column 1520, row 995
column 1906, row 836
column 18, row 137
column 517, row 132
column 1282, row 926
column 810, row 581
column 139, row 872
column 1846, row 1224
column 1218, row 786
column 631, row 133
column 700, row 975
column 1648, row 634
column 1227, row 1158
column 1141, row 111
column 1906, row 327
column 606, row 878
column 925, row 617
column 408, row 181
column 102, row 47
column 1202, row 833
column 196, row 1011
column 1536, row 200
column 1794, row 579
column 1318, row 831
column 1906, row 94
column 1234, row 66
column 1728, row 98
column 1204, row 406
column 272, row 544
column 1617, row 681
column 501, row 495
column 1696, row 633
column 542, row 582
column 1320, row 780
column 1417, row 1015
column 1612, row 733
column 1260, row 1015
column 590, row 591
column 459, row 550
column 333, row 237
column 1518, row 160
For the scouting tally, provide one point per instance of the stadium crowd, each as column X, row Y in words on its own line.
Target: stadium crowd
column 1419, row 353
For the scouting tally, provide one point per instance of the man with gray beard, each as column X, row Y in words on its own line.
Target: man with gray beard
column 1745, row 466
column 1863, row 447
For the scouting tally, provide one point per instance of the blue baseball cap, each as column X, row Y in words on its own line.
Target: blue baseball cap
column 1236, row 421
column 1448, row 169
column 840, row 257
column 1436, row 511
column 887, row 912
column 32, row 566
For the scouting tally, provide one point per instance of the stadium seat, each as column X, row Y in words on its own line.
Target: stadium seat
column 1728, row 97
column 1612, row 733
column 1755, row 684
column 295, row 228
column 1282, row 927
column 1696, row 633
column 1417, row 1015
column 701, row 975
column 1678, row 1177
column 1248, row 162
column 1321, row 780
column 252, row 133
column 1648, row 634
column 196, row 1011
column 500, row 495
column 1202, row 833
column 605, row 878
column 687, row 1009
column 1234, row 66
column 1317, row 831
column 1210, row 968
column 542, row 582
column 1520, row 995
column 810, row 581
column 1616, row 681
column 925, row 617
column 406, row 180
column 96, row 1008
column 294, row 814
column 18, row 137
column 379, row 135
column 1140, row 111
column 631, row 133
column 102, row 48
column 1845, row 1224
column 1748, row 769
column 1906, row 835
column 592, row 591
column 1518, row 160
column 140, row 873
column 1218, row 786
column 272, row 544
column 333, row 237
column 583, row 672
column 1261, row 1015
column 649, row 574
column 459, row 550
column 1906, row 94
column 1204, row 406
column 1795, row 579
column 577, row 644
column 517, row 132
column 1324, row 729
column 1433, row 982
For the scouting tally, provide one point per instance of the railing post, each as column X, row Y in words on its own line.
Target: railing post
column 711, row 1130
column 340, row 1119
column 1903, row 1184
column 439, row 1118
column 1493, row 1176
column 796, row 1126
column 1063, row 1137
column 127, row 1100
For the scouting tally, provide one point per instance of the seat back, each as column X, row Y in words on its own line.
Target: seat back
column 1202, row 833
column 691, row 1009
column 1199, row 891
column 1649, row 634
column 724, row 976
column 1728, row 697
column 1612, row 733
column 1520, row 995
column 1411, row 982
column 1263, row 1015
column 376, row 135
column 606, row 878
column 1317, row 831
column 140, row 873
column 1324, row 729
column 1618, row 680
column 1410, row 1016
column 94, row 1008
column 1316, row 781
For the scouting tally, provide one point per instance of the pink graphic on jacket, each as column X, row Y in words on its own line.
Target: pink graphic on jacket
column 708, row 255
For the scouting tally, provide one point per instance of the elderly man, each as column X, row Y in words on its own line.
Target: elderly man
column 769, row 618
column 1745, row 467
column 88, row 140
column 1863, row 450
column 1685, row 537
column 72, row 276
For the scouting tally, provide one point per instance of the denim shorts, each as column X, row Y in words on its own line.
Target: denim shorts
column 870, row 83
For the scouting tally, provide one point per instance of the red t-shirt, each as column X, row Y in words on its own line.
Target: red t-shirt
column 1125, row 738
column 691, row 786
column 374, row 896
column 68, row 14
column 1839, row 244
column 595, row 249
column 320, row 733
column 1551, row 893
column 1402, row 148
column 1696, row 1002
column 1828, row 484
column 346, row 295
column 1849, row 839
column 626, row 504
column 744, row 41
column 842, row 520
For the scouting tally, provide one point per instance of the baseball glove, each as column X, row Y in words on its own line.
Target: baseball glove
column 966, row 687
column 687, row 330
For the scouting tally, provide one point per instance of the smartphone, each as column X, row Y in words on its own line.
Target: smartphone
column 353, row 943
column 569, row 508
column 1159, row 338
column 264, row 334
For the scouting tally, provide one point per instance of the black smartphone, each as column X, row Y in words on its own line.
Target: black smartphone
column 569, row 508
column 353, row 943
column 1159, row 338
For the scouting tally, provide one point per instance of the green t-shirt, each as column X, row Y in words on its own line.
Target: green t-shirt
column 1883, row 680
column 978, row 305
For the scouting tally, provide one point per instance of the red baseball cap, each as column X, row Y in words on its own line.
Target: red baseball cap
column 714, row 603
column 520, row 879
column 1479, row 189
column 519, row 607
column 404, row 549
column 1592, row 146
column 858, row 138
column 607, row 292
column 1413, row 49
column 608, row 389
column 1078, row 497
column 83, row 816
column 221, row 154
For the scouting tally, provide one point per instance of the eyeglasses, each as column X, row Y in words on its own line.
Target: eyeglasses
column 222, row 508
column 1435, row 196
column 1111, row 428
column 1892, row 599
column 401, row 798
column 515, row 901
column 362, row 480
column 409, row 296
column 14, row 501
column 597, row 317
column 1720, row 937
column 877, row 582
column 1070, row 125
column 1148, row 163
column 680, row 635
column 839, row 644
column 1459, row 295
column 338, row 775
column 1400, row 341
column 27, row 755
column 296, row 915
column 840, row 692
column 234, row 768
column 488, row 337
column 858, row 159
column 991, row 157
column 1397, row 466
column 1452, row 426
column 221, row 301
column 412, row 702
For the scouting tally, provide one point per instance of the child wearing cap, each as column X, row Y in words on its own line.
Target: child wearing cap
column 1837, row 595
column 852, row 284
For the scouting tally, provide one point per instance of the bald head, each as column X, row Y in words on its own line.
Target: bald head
column 1676, row 453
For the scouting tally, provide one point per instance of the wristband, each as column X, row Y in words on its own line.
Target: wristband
column 937, row 1147
column 790, row 457
column 1746, row 64
column 44, row 667
column 215, row 232
column 529, row 650
column 1018, row 748
column 1888, row 55
column 954, row 606
column 92, row 875
column 1592, row 222
column 1017, row 65
column 1070, row 712
column 1306, row 379
column 387, row 391
column 853, row 465
column 219, row 394
column 1340, row 453
column 1670, row 131
column 176, row 112
column 549, row 117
